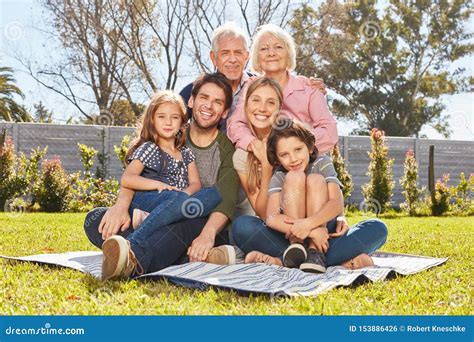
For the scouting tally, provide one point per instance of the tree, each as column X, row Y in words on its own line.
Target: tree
column 121, row 113
column 10, row 110
column 42, row 114
column 125, row 50
column 203, row 17
column 342, row 174
column 409, row 183
column 378, row 192
column 91, row 70
column 388, row 67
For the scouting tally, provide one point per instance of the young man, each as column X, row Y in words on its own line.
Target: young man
column 210, row 102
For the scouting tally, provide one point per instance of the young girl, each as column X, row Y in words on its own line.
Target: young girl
column 304, row 195
column 163, row 172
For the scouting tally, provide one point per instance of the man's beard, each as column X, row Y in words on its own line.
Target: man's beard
column 196, row 121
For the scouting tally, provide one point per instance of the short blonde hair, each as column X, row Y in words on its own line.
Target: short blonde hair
column 278, row 33
column 228, row 30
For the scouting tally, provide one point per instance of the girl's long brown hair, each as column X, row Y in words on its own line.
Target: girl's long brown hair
column 145, row 127
column 253, row 176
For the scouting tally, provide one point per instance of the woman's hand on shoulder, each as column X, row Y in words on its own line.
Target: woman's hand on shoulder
column 259, row 149
column 317, row 84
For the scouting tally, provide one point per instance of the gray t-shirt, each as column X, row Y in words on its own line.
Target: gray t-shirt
column 322, row 166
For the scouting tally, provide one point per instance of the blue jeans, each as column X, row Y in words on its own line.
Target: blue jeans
column 250, row 233
column 164, row 247
column 168, row 207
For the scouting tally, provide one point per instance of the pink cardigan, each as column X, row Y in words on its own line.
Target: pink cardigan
column 301, row 102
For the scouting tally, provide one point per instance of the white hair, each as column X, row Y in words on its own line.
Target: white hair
column 278, row 33
column 228, row 30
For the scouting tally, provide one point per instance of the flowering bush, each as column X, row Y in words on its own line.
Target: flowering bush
column 8, row 179
column 462, row 203
column 379, row 189
column 409, row 183
column 52, row 189
column 441, row 197
column 18, row 173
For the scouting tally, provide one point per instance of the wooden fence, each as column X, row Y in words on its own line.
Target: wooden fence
column 452, row 157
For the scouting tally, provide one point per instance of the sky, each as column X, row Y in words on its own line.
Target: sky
column 21, row 24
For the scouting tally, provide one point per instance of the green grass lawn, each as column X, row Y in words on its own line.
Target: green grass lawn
column 27, row 289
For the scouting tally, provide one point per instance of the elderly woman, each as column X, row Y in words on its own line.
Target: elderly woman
column 273, row 55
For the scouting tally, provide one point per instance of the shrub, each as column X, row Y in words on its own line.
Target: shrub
column 378, row 192
column 18, row 173
column 342, row 173
column 462, row 196
column 409, row 183
column 52, row 190
column 441, row 197
column 87, row 157
column 7, row 171
column 105, row 193
column 121, row 150
column 88, row 192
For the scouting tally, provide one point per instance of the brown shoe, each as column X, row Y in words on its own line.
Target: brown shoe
column 360, row 261
column 118, row 259
column 259, row 257
column 222, row 255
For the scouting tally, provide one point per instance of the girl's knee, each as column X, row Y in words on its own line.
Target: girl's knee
column 295, row 178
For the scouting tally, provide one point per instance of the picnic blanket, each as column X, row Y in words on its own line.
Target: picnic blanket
column 254, row 278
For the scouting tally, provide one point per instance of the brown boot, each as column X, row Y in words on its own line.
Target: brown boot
column 222, row 255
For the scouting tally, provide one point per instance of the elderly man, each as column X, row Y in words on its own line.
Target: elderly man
column 229, row 54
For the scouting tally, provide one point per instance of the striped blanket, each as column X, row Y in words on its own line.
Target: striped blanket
column 255, row 278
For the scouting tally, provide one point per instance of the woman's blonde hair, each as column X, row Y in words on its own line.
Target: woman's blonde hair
column 279, row 34
column 145, row 127
column 253, row 176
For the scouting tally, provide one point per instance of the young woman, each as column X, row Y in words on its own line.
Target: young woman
column 262, row 103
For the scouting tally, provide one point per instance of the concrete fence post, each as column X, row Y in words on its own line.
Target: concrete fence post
column 16, row 137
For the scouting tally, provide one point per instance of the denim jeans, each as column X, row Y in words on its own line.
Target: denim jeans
column 251, row 234
column 169, row 207
column 164, row 247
